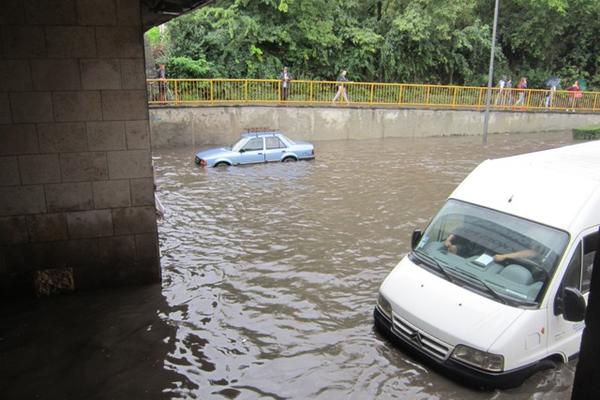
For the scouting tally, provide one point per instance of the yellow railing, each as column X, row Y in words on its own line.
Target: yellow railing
column 264, row 91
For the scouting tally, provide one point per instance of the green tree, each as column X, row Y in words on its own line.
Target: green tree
column 422, row 41
column 430, row 41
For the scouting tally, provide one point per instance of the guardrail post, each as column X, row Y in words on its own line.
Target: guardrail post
column 212, row 90
column 176, row 92
column 372, row 90
column 246, row 90
column 528, row 94
column 310, row 99
column 454, row 97
column 279, row 91
column 400, row 93
column 594, row 105
column 427, row 95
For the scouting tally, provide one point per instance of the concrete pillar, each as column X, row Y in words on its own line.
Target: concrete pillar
column 76, row 188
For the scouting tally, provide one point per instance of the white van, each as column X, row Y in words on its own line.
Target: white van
column 496, row 287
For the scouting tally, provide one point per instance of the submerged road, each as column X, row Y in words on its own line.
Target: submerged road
column 270, row 275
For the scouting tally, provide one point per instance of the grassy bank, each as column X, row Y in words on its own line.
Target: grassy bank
column 589, row 133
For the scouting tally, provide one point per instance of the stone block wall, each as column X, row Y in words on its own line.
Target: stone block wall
column 76, row 180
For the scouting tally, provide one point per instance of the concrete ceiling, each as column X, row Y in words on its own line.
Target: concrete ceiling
column 156, row 12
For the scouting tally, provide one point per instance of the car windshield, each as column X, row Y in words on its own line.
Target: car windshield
column 238, row 145
column 499, row 255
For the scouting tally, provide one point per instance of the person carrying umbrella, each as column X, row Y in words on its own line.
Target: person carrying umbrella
column 551, row 84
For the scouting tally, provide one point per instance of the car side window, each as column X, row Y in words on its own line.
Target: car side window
column 273, row 142
column 254, row 144
column 590, row 246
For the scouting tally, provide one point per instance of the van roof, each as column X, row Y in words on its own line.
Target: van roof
column 558, row 187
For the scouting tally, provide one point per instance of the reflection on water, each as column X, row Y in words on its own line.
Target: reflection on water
column 95, row 345
column 271, row 272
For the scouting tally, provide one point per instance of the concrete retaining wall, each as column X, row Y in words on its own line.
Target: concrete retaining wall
column 191, row 126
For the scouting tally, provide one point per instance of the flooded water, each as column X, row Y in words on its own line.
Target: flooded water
column 271, row 271
column 270, row 276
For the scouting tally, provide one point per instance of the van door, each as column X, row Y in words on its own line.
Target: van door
column 564, row 336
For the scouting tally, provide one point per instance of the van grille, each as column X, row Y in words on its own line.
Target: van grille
column 419, row 339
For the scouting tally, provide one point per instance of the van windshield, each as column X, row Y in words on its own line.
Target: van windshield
column 507, row 258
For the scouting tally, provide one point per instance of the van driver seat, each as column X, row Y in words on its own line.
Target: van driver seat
column 517, row 274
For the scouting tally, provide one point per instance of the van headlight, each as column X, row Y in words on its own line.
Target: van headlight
column 384, row 306
column 477, row 358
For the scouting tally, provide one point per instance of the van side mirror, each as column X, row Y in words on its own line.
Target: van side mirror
column 416, row 238
column 573, row 305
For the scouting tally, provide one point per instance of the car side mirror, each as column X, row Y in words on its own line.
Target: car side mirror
column 416, row 238
column 242, row 151
column 573, row 305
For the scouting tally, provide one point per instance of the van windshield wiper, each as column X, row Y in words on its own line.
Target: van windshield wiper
column 486, row 286
column 427, row 259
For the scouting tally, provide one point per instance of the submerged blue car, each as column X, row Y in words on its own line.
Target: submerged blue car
column 257, row 147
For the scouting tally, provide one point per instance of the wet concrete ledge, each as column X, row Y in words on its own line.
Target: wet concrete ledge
column 200, row 125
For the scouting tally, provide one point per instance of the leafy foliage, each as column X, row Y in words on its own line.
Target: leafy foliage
column 158, row 44
column 424, row 41
column 184, row 67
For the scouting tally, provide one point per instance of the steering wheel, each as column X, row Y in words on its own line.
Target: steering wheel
column 538, row 273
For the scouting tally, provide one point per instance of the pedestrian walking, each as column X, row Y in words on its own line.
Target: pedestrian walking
column 549, row 97
column 341, row 88
column 551, row 84
column 500, row 98
column 161, row 74
column 521, row 90
column 575, row 93
column 508, row 90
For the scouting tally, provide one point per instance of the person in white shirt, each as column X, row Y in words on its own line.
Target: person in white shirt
column 285, row 78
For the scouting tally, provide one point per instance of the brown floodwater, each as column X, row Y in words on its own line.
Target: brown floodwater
column 270, row 276
column 275, row 268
